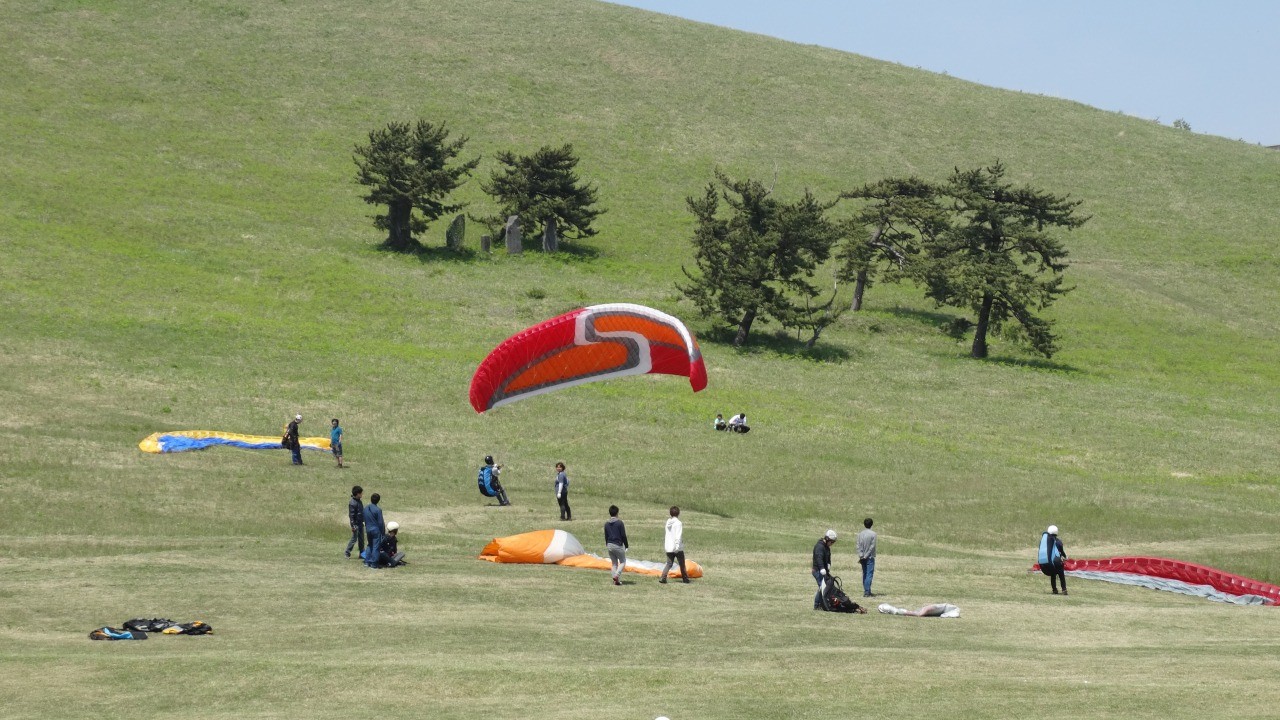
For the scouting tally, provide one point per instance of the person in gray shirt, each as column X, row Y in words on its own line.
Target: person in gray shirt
column 867, row 557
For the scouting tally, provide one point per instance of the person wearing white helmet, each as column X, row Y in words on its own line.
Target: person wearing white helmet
column 1052, row 558
column 291, row 439
column 389, row 554
column 822, row 564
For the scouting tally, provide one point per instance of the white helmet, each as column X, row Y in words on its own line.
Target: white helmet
column 831, row 535
column 297, row 417
column 393, row 526
column 1053, row 530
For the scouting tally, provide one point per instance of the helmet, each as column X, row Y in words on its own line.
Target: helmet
column 488, row 459
column 831, row 535
column 1053, row 530
column 297, row 417
column 393, row 526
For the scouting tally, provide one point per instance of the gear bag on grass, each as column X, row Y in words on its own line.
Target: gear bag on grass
column 834, row 598
column 110, row 633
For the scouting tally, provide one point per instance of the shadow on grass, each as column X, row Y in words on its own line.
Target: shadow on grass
column 930, row 318
column 780, row 343
column 569, row 253
column 1034, row 364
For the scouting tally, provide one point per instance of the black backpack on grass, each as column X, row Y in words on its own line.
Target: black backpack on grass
column 834, row 598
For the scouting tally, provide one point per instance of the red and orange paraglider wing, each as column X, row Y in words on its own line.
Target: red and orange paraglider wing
column 594, row 343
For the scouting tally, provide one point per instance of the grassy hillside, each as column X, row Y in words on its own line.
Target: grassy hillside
column 184, row 247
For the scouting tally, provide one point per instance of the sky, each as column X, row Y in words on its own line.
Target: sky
column 1214, row 64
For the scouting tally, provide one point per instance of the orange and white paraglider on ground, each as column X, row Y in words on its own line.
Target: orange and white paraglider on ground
column 560, row 548
column 589, row 344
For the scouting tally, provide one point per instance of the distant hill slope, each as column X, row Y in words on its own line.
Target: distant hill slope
column 185, row 244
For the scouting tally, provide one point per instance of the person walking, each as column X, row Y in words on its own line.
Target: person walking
column 674, row 546
column 374, row 527
column 335, row 441
column 867, row 556
column 355, row 515
column 1052, row 559
column 615, row 541
column 291, row 435
column 822, row 564
column 562, row 492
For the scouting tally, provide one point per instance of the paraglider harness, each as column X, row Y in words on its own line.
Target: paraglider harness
column 1050, row 556
column 490, row 486
column 834, row 598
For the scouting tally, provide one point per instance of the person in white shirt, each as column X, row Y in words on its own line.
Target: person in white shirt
column 738, row 423
column 674, row 545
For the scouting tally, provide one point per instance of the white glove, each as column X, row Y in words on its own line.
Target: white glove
column 823, row 571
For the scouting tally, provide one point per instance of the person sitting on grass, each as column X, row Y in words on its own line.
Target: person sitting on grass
column 738, row 423
column 719, row 423
column 389, row 554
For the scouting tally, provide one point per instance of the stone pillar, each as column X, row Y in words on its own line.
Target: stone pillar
column 486, row 243
column 511, row 231
column 457, row 231
column 550, row 236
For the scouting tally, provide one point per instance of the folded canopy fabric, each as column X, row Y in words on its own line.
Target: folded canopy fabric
column 557, row 547
column 1175, row 576
column 183, row 440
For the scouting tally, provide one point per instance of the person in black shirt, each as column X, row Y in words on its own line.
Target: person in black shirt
column 822, row 564
column 615, row 541
column 355, row 517
column 295, row 445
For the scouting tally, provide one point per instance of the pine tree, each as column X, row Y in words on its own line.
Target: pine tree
column 544, row 190
column 999, row 256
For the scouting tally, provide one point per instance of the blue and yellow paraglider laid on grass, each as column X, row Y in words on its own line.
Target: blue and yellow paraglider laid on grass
column 183, row 440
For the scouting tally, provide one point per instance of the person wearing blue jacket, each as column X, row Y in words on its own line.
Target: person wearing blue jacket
column 375, row 528
column 615, row 541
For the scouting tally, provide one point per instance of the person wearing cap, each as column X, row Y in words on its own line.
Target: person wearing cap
column 1052, row 558
column 295, row 445
column 822, row 564
column 374, row 527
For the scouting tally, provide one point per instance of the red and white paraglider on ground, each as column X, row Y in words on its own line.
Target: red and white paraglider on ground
column 1175, row 576
column 600, row 342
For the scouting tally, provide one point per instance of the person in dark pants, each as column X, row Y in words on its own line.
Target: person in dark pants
column 335, row 440
column 1052, row 558
column 294, row 444
column 355, row 516
column 489, row 484
column 615, row 541
column 374, row 527
column 389, row 554
column 867, row 556
column 673, row 543
column 562, row 492
column 822, row 564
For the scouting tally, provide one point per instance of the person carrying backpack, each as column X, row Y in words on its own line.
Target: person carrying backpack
column 1052, row 559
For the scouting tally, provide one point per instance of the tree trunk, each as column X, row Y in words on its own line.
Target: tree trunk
column 399, row 237
column 980, row 333
column 744, row 327
column 859, row 287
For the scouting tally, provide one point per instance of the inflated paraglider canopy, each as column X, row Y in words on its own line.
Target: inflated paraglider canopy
column 1175, row 576
column 182, row 440
column 557, row 547
column 589, row 344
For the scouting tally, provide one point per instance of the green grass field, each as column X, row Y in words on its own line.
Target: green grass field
column 184, row 247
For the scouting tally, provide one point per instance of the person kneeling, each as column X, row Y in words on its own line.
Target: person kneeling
column 389, row 554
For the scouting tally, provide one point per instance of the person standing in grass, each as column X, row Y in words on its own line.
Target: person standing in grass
column 375, row 528
column 1052, row 559
column 335, row 441
column 562, row 492
column 355, row 514
column 295, row 445
column 822, row 564
column 615, row 541
column 867, row 556
column 673, row 543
